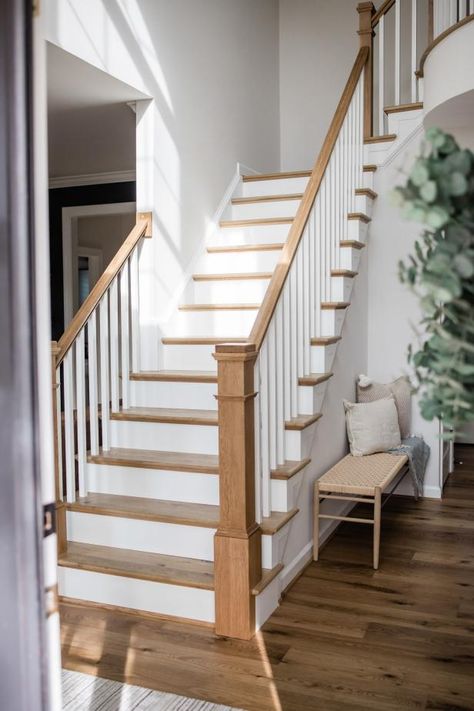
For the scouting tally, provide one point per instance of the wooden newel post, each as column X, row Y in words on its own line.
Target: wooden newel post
column 366, row 34
column 60, row 505
column 238, row 541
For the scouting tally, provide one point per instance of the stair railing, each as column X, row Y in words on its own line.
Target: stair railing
column 278, row 352
column 91, row 363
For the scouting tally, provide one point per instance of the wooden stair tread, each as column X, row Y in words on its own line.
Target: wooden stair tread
column 265, row 198
column 267, row 577
column 352, row 243
column 256, row 221
column 155, row 567
column 277, row 519
column 153, row 459
column 300, row 422
column 265, row 247
column 344, row 273
column 289, row 469
column 167, row 415
column 176, row 376
column 202, row 340
column 233, row 276
column 314, row 378
column 369, row 168
column 334, row 305
column 380, row 139
column 368, row 192
column 403, row 107
column 178, row 512
column 276, row 176
column 325, row 340
column 359, row 216
column 219, row 307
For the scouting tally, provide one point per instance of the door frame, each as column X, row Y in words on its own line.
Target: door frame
column 70, row 216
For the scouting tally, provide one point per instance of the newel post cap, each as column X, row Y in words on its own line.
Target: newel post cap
column 235, row 351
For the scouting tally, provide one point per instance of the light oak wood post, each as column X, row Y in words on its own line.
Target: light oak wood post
column 365, row 32
column 316, row 522
column 377, row 519
column 60, row 505
column 237, row 543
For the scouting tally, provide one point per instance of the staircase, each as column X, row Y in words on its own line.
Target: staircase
column 178, row 489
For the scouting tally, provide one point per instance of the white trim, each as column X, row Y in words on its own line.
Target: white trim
column 70, row 216
column 71, row 181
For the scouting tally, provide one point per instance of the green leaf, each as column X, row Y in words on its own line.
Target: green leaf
column 419, row 174
column 428, row 191
column 457, row 185
column 437, row 217
column 464, row 266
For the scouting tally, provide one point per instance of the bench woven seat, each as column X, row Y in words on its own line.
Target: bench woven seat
column 361, row 475
column 358, row 479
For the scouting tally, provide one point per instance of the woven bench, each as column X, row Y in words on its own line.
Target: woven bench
column 358, row 479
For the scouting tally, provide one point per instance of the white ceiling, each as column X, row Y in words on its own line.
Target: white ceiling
column 90, row 127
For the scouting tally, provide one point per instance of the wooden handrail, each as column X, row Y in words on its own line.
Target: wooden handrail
column 141, row 229
column 383, row 9
column 440, row 38
column 282, row 269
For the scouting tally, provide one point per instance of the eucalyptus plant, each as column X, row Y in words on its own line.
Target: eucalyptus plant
column 439, row 194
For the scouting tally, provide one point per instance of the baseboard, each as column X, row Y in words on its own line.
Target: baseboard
column 432, row 492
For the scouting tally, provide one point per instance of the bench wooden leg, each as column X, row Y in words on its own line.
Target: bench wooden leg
column 377, row 518
column 316, row 522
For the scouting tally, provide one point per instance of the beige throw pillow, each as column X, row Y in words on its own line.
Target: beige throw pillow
column 368, row 391
column 372, row 426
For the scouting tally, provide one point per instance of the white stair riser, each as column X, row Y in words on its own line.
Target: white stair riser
column 341, row 288
column 256, row 210
column 310, row 399
column 194, row 396
column 284, row 492
column 153, row 483
column 357, row 229
column 201, row 439
column 146, row 595
column 331, row 321
column 368, row 180
column 240, row 262
column 279, row 186
column 184, row 357
column 403, row 122
column 350, row 258
column 298, row 442
column 267, row 602
column 322, row 358
column 136, row 534
column 364, row 204
column 217, row 322
column 273, row 547
column 229, row 291
column 253, row 234
column 233, row 237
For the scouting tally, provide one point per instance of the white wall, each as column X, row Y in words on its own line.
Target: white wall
column 318, row 46
column 211, row 68
column 393, row 311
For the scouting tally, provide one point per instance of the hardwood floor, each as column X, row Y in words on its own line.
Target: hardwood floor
column 345, row 636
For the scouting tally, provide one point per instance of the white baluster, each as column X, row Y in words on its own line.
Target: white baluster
column 294, row 348
column 104, row 370
column 462, row 9
column 124, row 334
column 453, row 12
column 265, row 438
column 318, row 257
column 414, row 59
column 381, row 71
column 279, row 371
column 114, row 346
column 134, row 311
column 258, row 434
column 307, row 287
column 59, row 416
column 300, row 312
column 287, row 317
column 70, row 459
column 272, row 395
column 397, row 52
column 93, row 381
column 81, row 413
